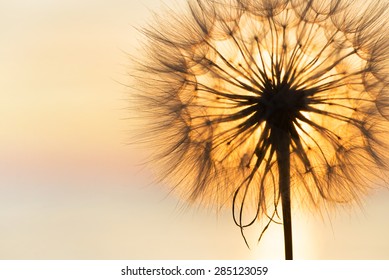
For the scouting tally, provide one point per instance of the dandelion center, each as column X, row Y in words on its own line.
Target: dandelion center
column 280, row 105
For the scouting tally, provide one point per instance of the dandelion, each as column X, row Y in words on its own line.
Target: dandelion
column 259, row 104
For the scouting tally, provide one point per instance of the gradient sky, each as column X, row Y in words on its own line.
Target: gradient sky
column 70, row 187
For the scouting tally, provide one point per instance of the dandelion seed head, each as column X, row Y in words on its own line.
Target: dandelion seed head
column 222, row 84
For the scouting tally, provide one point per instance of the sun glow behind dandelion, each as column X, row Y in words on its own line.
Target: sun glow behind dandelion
column 236, row 88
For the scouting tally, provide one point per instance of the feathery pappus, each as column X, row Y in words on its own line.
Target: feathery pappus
column 249, row 103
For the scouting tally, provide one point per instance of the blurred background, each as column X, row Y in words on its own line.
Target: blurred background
column 70, row 186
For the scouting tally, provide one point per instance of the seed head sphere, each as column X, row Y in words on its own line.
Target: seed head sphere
column 227, row 85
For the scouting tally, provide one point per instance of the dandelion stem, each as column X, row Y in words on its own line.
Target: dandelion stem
column 283, row 161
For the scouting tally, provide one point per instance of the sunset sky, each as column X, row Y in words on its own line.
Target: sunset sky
column 70, row 186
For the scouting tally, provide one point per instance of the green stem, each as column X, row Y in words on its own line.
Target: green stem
column 283, row 161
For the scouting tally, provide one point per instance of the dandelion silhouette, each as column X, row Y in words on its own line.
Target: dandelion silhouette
column 255, row 102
